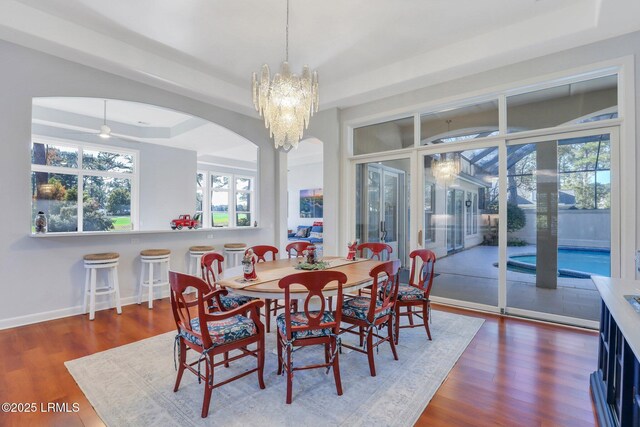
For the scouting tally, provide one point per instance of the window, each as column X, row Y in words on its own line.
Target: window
column 429, row 210
column 392, row 135
column 579, row 102
column 467, row 205
column 232, row 202
column 83, row 187
column 201, row 185
column 474, row 208
column 460, row 124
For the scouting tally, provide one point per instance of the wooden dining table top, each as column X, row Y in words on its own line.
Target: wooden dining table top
column 270, row 272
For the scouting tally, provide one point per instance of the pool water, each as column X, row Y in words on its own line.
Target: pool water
column 589, row 261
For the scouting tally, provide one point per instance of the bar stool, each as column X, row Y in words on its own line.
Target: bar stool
column 92, row 263
column 234, row 253
column 149, row 258
column 195, row 255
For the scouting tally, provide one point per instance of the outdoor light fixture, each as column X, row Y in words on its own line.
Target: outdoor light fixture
column 286, row 102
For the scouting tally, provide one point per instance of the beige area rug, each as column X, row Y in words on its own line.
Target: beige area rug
column 132, row 385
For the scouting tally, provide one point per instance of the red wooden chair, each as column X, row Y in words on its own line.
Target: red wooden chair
column 224, row 332
column 416, row 293
column 307, row 327
column 298, row 247
column 376, row 250
column 211, row 265
column 264, row 253
column 369, row 314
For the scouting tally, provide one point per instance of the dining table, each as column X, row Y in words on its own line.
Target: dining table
column 269, row 273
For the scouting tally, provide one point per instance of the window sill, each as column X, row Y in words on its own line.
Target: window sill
column 134, row 232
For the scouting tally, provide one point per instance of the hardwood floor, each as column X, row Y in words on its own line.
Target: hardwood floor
column 514, row 372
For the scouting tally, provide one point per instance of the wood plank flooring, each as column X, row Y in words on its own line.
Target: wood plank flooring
column 514, row 372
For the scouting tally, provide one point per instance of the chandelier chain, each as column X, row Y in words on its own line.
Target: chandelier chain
column 286, row 44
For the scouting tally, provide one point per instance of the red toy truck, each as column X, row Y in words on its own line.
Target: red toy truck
column 184, row 221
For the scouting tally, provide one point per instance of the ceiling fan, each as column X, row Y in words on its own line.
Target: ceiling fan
column 105, row 131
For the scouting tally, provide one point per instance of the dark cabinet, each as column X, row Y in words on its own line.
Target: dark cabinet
column 615, row 386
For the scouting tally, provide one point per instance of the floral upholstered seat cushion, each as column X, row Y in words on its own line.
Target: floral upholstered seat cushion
column 223, row 331
column 408, row 292
column 300, row 319
column 358, row 307
column 231, row 301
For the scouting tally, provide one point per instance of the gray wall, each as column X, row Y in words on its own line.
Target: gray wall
column 43, row 278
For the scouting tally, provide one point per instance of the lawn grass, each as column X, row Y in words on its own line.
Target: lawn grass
column 220, row 218
column 121, row 223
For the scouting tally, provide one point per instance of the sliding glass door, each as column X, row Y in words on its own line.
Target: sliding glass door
column 559, row 222
column 460, row 209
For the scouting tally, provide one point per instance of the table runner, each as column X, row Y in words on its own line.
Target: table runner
column 237, row 282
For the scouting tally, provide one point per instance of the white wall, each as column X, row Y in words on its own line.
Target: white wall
column 43, row 278
column 158, row 185
column 301, row 177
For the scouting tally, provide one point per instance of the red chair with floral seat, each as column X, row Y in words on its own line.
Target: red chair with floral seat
column 225, row 331
column 416, row 293
column 268, row 253
column 211, row 265
column 376, row 251
column 298, row 247
column 305, row 328
column 371, row 313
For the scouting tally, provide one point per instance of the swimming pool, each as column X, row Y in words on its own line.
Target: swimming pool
column 572, row 262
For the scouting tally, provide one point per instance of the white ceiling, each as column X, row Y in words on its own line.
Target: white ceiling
column 362, row 49
column 69, row 117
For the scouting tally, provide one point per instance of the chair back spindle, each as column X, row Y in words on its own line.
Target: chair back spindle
column 422, row 278
column 211, row 265
column 383, row 275
column 314, row 282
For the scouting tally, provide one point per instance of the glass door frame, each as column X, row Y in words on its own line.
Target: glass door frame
column 412, row 204
column 615, row 226
column 500, row 144
column 416, row 202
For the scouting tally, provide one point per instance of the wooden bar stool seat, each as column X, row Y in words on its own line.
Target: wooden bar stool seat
column 107, row 262
column 195, row 255
column 151, row 259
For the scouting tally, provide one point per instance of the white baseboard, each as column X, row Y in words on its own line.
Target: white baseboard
column 30, row 319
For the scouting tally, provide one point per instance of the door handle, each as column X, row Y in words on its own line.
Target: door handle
column 420, row 237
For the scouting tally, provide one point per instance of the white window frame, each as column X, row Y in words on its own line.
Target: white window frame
column 232, row 192
column 80, row 173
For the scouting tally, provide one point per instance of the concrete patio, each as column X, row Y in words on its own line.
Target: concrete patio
column 471, row 276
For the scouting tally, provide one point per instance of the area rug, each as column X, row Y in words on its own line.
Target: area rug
column 132, row 385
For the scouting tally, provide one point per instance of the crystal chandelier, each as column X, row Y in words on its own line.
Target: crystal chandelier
column 287, row 102
column 446, row 169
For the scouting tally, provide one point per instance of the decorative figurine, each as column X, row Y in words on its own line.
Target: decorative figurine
column 351, row 247
column 249, row 265
column 41, row 223
column 312, row 256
